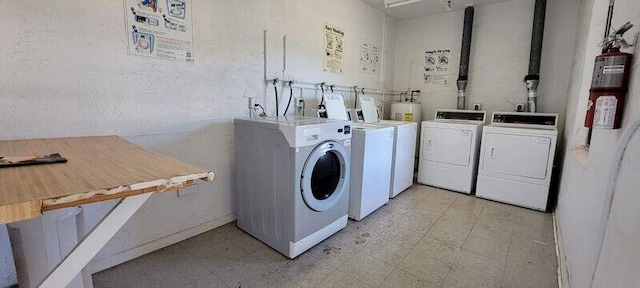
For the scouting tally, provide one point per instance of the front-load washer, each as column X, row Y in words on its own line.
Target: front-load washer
column 449, row 150
column 404, row 146
column 516, row 159
column 371, row 158
column 292, row 180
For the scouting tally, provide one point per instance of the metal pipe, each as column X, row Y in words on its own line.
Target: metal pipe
column 533, row 78
column 463, row 74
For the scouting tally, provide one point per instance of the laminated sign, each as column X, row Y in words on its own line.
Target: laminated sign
column 369, row 58
column 436, row 66
column 160, row 28
column 333, row 49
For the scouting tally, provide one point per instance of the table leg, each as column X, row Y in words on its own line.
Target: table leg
column 80, row 256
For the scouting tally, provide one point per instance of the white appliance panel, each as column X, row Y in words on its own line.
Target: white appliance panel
column 447, row 145
column 518, row 155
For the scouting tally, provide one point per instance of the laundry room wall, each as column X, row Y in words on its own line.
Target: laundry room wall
column 582, row 204
column 65, row 72
column 499, row 56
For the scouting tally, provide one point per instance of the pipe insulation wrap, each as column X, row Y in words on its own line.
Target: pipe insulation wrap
column 466, row 43
column 536, row 37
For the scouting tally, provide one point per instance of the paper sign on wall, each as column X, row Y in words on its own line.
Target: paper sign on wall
column 333, row 49
column 436, row 66
column 369, row 58
column 160, row 28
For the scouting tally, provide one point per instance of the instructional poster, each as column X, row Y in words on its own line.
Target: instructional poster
column 160, row 28
column 436, row 66
column 333, row 49
column 369, row 58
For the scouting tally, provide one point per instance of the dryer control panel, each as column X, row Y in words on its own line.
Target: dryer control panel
column 460, row 115
column 548, row 121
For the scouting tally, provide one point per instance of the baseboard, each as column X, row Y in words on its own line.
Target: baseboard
column 117, row 259
column 563, row 270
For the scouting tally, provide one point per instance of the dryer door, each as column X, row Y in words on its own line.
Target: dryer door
column 447, row 145
column 518, row 155
column 324, row 176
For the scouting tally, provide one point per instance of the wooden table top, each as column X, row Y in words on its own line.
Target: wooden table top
column 98, row 169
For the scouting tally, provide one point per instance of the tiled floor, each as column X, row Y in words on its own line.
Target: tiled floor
column 426, row 237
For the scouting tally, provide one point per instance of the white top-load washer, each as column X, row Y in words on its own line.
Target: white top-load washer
column 371, row 158
column 449, row 149
column 516, row 158
column 404, row 146
column 292, row 179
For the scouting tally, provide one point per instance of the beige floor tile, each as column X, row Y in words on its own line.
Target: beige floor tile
column 427, row 268
column 491, row 222
column 229, row 230
column 459, row 278
column 275, row 280
column 450, row 230
column 128, row 274
column 333, row 253
column 306, row 271
column 369, row 225
column 242, row 272
column 463, row 213
column 212, row 246
column 532, row 258
column 473, row 263
column 386, row 251
column 270, row 256
column 420, row 232
column 493, row 249
column 442, row 251
column 540, row 234
column 531, row 218
column 401, row 279
column 401, row 236
column 367, row 269
column 339, row 279
column 211, row 281
column 172, row 267
column 492, row 235
column 521, row 278
column 246, row 242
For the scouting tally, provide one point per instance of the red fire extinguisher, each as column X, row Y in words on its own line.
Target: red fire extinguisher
column 609, row 84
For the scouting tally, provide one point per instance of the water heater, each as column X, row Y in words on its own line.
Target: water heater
column 406, row 111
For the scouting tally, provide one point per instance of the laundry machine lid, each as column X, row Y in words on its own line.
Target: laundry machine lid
column 325, row 176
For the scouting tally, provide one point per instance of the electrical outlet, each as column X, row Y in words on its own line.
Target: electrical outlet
column 520, row 107
column 188, row 191
column 477, row 106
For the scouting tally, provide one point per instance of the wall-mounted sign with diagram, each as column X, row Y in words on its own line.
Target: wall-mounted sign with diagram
column 160, row 28
column 436, row 66
column 369, row 58
column 333, row 49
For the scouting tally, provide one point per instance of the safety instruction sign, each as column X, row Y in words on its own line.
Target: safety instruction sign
column 436, row 66
column 333, row 49
column 369, row 58
column 160, row 28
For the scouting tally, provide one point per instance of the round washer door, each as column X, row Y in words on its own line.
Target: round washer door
column 324, row 176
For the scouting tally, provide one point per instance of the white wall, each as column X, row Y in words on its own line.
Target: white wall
column 66, row 72
column 583, row 187
column 499, row 55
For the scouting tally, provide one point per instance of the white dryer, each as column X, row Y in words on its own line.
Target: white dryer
column 292, row 180
column 404, row 147
column 516, row 159
column 449, row 150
